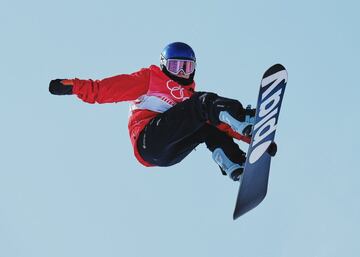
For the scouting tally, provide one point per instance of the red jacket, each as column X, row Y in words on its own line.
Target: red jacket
column 150, row 91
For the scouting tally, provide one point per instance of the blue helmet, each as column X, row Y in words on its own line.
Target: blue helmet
column 179, row 51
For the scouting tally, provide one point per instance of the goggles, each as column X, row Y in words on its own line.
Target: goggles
column 174, row 66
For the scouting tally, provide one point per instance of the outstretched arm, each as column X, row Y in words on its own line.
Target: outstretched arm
column 125, row 87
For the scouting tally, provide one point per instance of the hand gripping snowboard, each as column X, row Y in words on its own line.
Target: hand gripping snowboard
column 254, row 183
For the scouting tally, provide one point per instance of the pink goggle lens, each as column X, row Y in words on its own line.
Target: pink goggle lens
column 174, row 66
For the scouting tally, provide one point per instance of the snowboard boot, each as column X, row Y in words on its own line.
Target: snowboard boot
column 229, row 168
column 244, row 125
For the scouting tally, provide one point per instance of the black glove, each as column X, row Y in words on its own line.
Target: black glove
column 250, row 111
column 58, row 88
column 272, row 149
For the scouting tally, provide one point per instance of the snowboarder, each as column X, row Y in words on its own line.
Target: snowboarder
column 168, row 117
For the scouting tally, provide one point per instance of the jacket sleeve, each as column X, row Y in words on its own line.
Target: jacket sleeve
column 228, row 130
column 125, row 87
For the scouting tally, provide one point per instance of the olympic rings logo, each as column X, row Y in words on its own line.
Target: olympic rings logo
column 177, row 91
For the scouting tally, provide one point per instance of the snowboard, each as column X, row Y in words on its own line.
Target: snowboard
column 254, row 182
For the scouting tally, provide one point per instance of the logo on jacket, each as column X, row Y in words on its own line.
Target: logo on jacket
column 176, row 90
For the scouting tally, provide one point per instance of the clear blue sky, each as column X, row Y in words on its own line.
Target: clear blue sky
column 69, row 184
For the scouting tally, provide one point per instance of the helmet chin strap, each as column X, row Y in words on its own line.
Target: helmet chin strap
column 181, row 81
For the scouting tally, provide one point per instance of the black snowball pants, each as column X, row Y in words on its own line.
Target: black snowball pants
column 172, row 135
